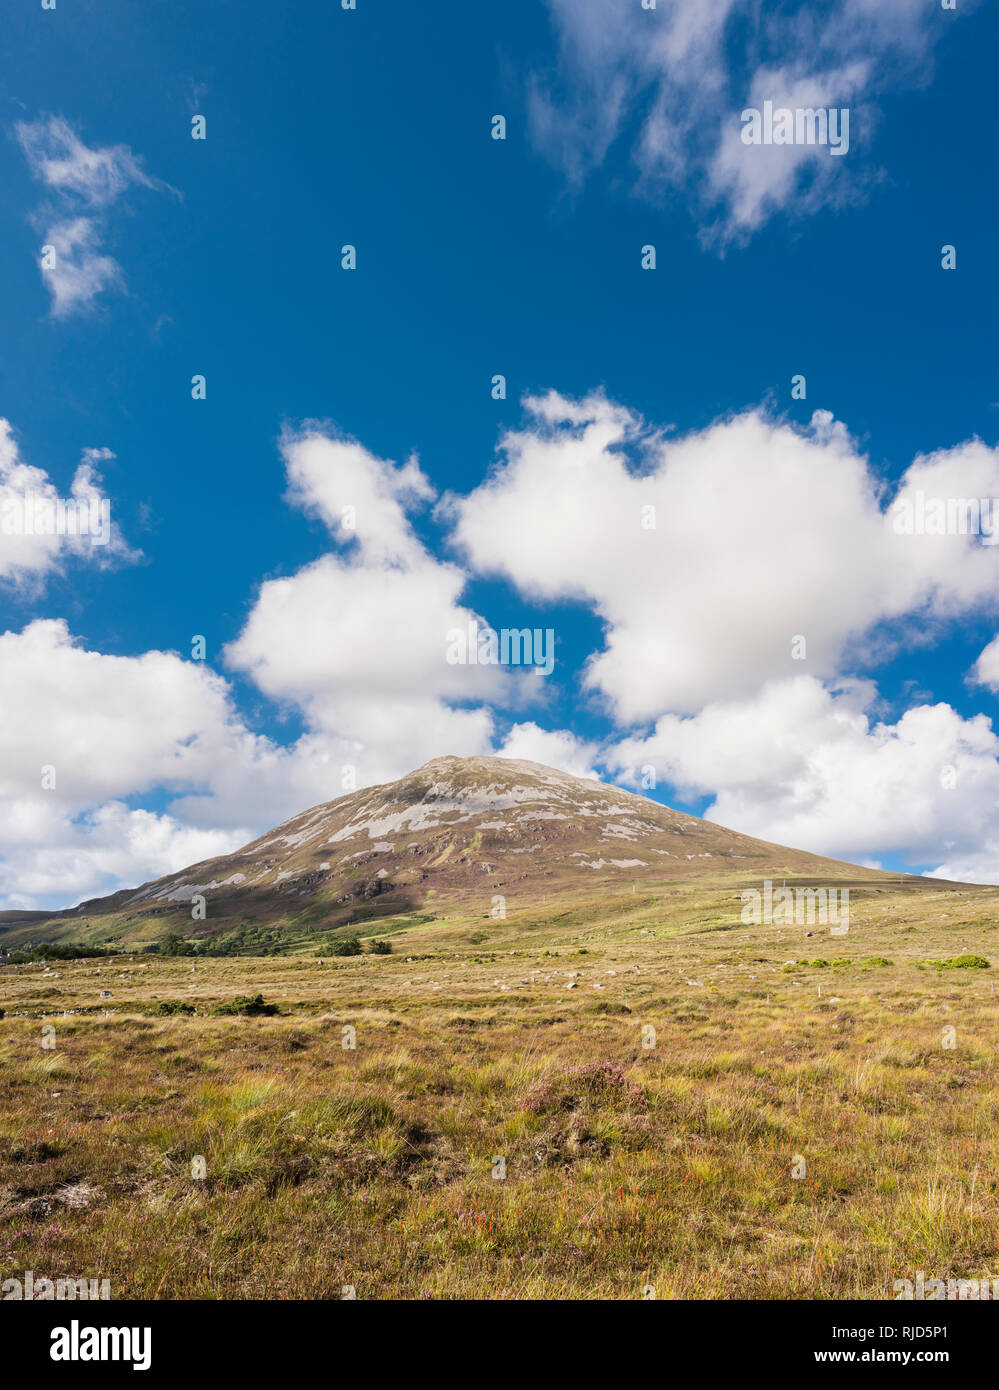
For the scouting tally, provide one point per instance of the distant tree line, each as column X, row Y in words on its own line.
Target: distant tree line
column 50, row 950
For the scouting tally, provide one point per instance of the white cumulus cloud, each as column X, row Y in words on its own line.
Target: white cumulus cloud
column 806, row 765
column 707, row 555
column 357, row 640
column 31, row 545
column 553, row 747
column 83, row 734
column 986, row 669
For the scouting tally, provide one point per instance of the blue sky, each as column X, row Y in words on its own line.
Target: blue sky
column 478, row 256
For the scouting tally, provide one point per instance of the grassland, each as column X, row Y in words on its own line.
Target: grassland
column 627, row 1165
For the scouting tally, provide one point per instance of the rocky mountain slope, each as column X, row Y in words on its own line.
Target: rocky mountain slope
column 461, row 833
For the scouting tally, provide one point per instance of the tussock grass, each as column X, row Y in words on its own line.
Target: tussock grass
column 329, row 1165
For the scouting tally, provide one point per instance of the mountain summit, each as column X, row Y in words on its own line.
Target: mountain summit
column 453, row 835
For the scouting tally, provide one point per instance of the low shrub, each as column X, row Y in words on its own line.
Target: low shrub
column 174, row 945
column 245, row 1005
column 346, row 946
column 965, row 962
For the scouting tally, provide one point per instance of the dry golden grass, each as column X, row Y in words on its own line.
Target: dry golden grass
column 625, row 1165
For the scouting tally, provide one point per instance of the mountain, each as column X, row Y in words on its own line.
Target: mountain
column 451, row 836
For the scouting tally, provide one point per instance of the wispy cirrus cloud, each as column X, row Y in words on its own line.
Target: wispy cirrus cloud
column 671, row 83
column 83, row 183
